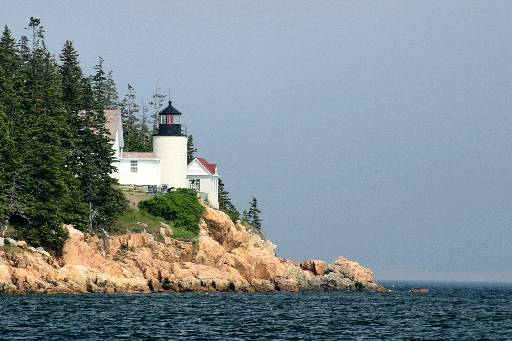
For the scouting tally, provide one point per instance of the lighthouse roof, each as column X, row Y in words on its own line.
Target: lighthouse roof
column 170, row 110
column 210, row 167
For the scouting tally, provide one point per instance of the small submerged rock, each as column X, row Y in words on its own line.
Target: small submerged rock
column 420, row 290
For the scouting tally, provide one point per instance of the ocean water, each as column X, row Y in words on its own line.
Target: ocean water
column 449, row 311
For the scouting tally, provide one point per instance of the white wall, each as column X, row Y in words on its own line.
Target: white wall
column 172, row 151
column 209, row 184
column 148, row 172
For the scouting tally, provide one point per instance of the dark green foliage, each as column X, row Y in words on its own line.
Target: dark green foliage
column 55, row 155
column 110, row 204
column 5, row 143
column 138, row 127
column 9, row 62
column 253, row 216
column 103, row 87
column 145, row 132
column 44, row 146
column 71, row 78
column 48, row 234
column 136, row 133
column 225, row 203
column 180, row 206
column 95, row 208
column 191, row 149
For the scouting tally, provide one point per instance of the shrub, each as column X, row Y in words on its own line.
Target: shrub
column 234, row 215
column 180, row 206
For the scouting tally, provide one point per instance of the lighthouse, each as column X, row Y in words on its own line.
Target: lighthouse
column 170, row 145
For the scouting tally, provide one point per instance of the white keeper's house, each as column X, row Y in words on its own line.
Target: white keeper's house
column 166, row 167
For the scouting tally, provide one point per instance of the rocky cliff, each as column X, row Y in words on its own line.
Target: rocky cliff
column 226, row 257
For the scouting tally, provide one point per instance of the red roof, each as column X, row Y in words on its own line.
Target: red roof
column 211, row 167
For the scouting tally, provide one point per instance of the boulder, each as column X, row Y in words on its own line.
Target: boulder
column 42, row 251
column 316, row 266
column 335, row 282
column 74, row 233
column 22, row 244
column 154, row 285
column 166, row 230
column 2, row 241
column 10, row 241
column 6, row 284
column 351, row 270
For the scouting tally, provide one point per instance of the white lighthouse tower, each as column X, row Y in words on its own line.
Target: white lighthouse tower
column 170, row 145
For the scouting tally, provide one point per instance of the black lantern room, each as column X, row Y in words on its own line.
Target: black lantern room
column 170, row 122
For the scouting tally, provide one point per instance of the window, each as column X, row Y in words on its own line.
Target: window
column 133, row 166
column 194, row 184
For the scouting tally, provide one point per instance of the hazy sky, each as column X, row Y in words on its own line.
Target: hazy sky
column 377, row 130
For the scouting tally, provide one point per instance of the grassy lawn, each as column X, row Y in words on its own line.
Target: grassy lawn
column 127, row 222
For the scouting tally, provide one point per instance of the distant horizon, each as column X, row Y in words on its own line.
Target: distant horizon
column 371, row 130
column 439, row 281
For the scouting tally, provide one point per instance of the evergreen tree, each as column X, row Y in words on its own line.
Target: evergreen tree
column 191, row 149
column 71, row 73
column 10, row 82
column 103, row 202
column 99, row 83
column 77, row 104
column 131, row 131
column 44, row 147
column 225, row 203
column 55, row 154
column 103, row 87
column 111, row 96
column 5, row 143
column 254, row 214
column 145, row 132
column 157, row 101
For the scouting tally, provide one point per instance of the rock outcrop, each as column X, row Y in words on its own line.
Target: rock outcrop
column 226, row 257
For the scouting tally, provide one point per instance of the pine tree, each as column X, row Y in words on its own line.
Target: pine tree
column 245, row 216
column 111, row 95
column 254, row 214
column 129, row 110
column 191, row 149
column 98, row 83
column 104, row 87
column 71, row 73
column 104, row 202
column 12, row 168
column 55, row 154
column 157, row 101
column 5, row 143
column 225, row 203
column 145, row 132
column 77, row 105
column 44, row 147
